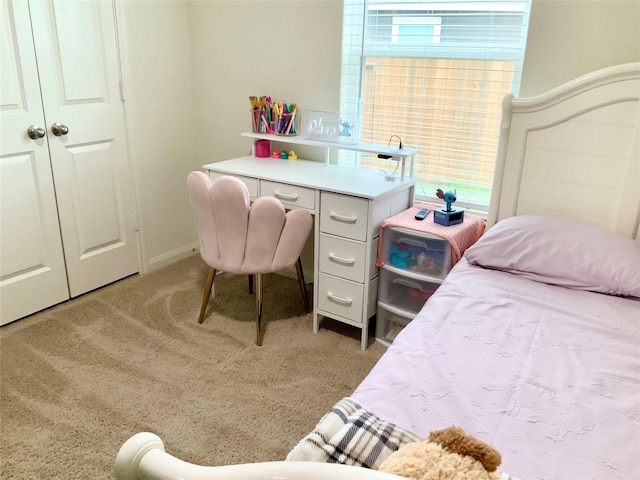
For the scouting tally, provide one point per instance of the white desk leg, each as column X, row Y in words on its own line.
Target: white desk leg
column 316, row 259
column 364, row 340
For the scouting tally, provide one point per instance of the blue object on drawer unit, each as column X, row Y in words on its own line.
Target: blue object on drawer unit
column 411, row 257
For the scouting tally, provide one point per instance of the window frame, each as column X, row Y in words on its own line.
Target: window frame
column 359, row 51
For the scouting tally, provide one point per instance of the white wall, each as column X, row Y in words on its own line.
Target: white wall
column 191, row 65
column 160, row 115
column 569, row 38
column 289, row 50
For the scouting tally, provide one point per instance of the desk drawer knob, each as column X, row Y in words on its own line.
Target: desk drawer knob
column 343, row 218
column 292, row 197
column 344, row 261
column 335, row 298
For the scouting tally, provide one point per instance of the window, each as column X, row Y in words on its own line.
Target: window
column 433, row 73
column 415, row 30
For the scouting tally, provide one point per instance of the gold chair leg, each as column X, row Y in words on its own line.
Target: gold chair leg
column 207, row 293
column 258, row 282
column 303, row 288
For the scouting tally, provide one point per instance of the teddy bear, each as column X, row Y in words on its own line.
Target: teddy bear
column 448, row 454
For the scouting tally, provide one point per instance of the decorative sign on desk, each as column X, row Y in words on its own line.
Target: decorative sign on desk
column 329, row 126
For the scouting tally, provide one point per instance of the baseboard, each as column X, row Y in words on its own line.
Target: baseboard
column 172, row 257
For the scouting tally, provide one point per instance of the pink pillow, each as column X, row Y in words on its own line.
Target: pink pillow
column 561, row 252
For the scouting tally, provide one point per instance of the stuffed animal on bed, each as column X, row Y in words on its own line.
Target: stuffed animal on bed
column 448, row 454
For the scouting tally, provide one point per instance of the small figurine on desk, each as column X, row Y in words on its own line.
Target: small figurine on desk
column 449, row 216
column 346, row 126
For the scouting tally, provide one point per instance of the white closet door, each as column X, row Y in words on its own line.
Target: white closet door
column 31, row 261
column 77, row 56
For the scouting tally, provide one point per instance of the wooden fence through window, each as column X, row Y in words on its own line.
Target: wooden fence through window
column 449, row 109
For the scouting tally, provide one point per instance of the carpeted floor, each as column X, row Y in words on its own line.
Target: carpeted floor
column 79, row 379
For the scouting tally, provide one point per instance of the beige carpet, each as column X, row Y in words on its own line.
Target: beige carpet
column 79, row 379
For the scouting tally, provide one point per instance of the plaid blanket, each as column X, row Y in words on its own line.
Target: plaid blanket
column 350, row 434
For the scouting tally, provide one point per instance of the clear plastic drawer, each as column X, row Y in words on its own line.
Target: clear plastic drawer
column 416, row 251
column 404, row 290
column 390, row 322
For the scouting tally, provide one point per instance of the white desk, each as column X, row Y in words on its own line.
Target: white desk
column 348, row 205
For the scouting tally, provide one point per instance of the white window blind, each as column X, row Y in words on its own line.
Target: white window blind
column 433, row 73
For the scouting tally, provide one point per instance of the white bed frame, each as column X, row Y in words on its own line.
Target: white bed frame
column 143, row 457
column 571, row 152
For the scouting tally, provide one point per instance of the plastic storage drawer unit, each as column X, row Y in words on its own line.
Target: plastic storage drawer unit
column 416, row 251
column 405, row 290
column 389, row 322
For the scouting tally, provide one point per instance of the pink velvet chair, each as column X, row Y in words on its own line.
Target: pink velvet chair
column 240, row 238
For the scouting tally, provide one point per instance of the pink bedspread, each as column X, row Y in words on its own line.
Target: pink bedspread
column 549, row 376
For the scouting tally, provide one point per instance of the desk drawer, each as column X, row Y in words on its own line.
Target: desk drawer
column 344, row 216
column 342, row 258
column 289, row 195
column 340, row 297
column 251, row 183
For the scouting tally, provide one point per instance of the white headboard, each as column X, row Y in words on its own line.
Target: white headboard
column 573, row 152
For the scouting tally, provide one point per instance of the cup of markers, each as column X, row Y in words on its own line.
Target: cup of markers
column 273, row 117
column 286, row 118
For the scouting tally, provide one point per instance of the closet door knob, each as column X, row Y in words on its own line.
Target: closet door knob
column 35, row 132
column 58, row 129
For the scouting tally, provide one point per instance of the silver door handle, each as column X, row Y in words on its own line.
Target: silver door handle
column 59, row 129
column 35, row 132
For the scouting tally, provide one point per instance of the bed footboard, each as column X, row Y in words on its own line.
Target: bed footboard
column 143, row 457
